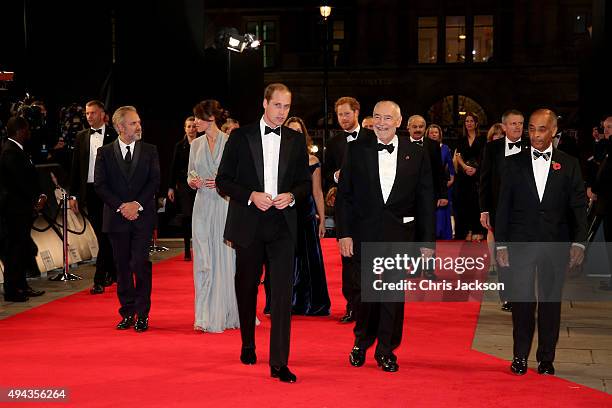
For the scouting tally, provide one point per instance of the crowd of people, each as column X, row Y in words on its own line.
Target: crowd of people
column 253, row 198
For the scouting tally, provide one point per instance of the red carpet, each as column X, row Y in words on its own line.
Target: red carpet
column 72, row 343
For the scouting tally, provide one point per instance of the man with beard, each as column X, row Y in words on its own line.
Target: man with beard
column 347, row 111
column 416, row 126
column 126, row 178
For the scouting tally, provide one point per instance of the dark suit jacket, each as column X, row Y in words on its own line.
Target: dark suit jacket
column 603, row 184
column 560, row 217
column 116, row 183
column 80, row 162
column 364, row 216
column 334, row 157
column 491, row 170
column 18, row 181
column 241, row 172
column 437, row 170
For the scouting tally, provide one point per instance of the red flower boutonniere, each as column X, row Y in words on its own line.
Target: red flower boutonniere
column 556, row 165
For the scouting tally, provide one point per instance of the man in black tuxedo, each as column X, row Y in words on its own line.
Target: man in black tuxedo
column 493, row 163
column 126, row 178
column 86, row 147
column 264, row 171
column 347, row 111
column 540, row 229
column 416, row 126
column 602, row 192
column 20, row 196
column 385, row 195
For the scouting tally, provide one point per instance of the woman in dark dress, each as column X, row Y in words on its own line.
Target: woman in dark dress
column 310, row 295
column 179, row 191
column 467, row 156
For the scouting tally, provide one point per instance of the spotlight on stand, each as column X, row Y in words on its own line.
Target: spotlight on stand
column 239, row 44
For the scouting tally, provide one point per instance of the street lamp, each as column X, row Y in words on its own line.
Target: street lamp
column 325, row 11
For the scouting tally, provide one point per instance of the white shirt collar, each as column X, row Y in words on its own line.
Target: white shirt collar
column 548, row 150
column 123, row 145
column 417, row 140
column 393, row 141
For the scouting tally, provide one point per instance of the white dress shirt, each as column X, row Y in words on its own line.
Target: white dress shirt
column 387, row 166
column 514, row 150
column 541, row 168
column 124, row 146
column 95, row 141
column 270, row 144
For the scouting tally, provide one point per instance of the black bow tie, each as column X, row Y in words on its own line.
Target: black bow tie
column 537, row 155
column 388, row 147
column 419, row 142
column 512, row 145
column 351, row 134
column 270, row 130
column 96, row 131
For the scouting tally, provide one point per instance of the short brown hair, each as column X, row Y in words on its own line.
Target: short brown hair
column 211, row 108
column 350, row 101
column 120, row 114
column 511, row 112
column 95, row 102
column 273, row 87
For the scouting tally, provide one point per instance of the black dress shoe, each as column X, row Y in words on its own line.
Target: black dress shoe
column 16, row 297
column 30, row 292
column 506, row 307
column 142, row 324
column 125, row 323
column 357, row 357
column 97, row 289
column 187, row 256
column 108, row 282
column 283, row 374
column 348, row 317
column 387, row 363
column 519, row 366
column 248, row 356
column 546, row 367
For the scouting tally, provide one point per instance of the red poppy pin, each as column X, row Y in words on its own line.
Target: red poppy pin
column 556, row 165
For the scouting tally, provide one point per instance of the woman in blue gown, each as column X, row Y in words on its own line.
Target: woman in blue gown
column 444, row 229
column 310, row 295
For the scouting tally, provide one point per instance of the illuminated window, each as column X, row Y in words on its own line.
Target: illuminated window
column 483, row 38
column 455, row 39
column 428, row 40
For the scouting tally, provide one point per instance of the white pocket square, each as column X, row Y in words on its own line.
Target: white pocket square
column 408, row 219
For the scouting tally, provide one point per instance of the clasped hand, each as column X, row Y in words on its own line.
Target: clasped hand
column 264, row 201
column 130, row 210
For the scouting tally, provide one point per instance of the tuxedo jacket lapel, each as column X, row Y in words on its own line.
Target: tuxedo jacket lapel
column 403, row 158
column 283, row 158
column 119, row 159
column 132, row 167
column 254, row 138
column 87, row 146
column 372, row 167
column 553, row 175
